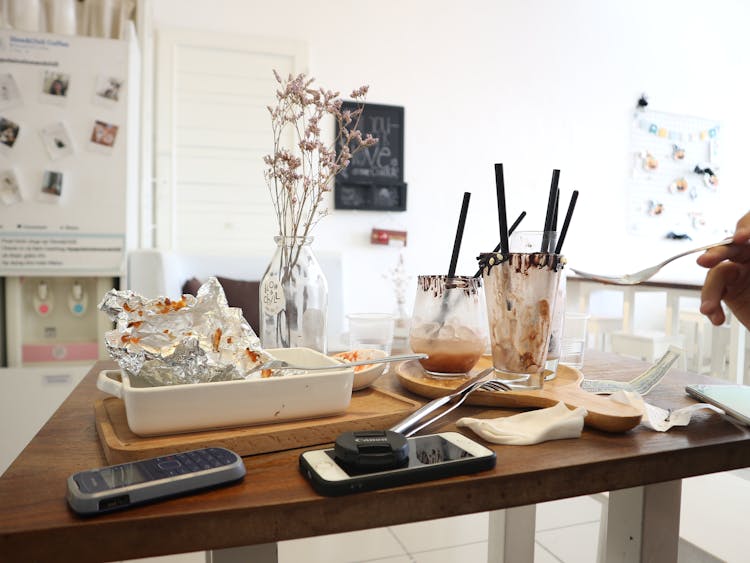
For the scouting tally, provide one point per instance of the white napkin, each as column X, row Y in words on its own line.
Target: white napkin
column 531, row 427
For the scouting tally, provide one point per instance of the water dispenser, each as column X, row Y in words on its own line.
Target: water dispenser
column 54, row 319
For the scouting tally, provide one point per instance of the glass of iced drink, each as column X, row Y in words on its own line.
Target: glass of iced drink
column 529, row 242
column 520, row 291
column 449, row 324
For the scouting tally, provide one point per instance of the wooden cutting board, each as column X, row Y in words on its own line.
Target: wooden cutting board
column 603, row 413
column 370, row 409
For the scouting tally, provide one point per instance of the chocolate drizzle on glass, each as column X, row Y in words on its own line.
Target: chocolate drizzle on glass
column 438, row 284
column 521, row 262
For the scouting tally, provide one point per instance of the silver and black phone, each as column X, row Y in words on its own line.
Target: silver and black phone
column 119, row 486
column 432, row 456
column 734, row 399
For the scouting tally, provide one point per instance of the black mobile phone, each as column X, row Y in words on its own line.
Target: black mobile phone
column 433, row 456
column 119, row 486
column 734, row 399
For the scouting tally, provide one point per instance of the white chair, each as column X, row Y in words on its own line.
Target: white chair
column 648, row 345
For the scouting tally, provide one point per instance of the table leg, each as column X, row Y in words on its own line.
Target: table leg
column 643, row 523
column 511, row 535
column 263, row 553
column 672, row 314
column 628, row 310
column 737, row 337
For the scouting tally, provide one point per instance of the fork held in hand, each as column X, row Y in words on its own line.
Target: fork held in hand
column 643, row 275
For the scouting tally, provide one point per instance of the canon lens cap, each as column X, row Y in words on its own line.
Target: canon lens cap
column 372, row 449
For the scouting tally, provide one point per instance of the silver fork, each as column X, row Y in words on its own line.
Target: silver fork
column 407, row 426
column 643, row 275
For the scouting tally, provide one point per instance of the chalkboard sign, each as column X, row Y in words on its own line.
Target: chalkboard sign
column 374, row 178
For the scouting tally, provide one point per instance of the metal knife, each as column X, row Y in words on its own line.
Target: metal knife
column 458, row 396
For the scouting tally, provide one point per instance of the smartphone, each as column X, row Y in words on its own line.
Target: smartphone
column 734, row 399
column 433, row 456
column 119, row 486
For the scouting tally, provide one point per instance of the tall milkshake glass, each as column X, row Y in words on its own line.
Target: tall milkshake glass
column 520, row 292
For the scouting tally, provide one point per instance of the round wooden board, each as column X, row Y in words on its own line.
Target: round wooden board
column 603, row 413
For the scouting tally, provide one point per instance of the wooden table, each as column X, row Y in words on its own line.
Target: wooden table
column 276, row 503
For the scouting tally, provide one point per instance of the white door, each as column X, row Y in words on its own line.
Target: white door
column 212, row 131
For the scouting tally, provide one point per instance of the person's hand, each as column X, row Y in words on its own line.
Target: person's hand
column 728, row 278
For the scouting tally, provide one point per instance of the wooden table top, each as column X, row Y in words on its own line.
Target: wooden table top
column 274, row 502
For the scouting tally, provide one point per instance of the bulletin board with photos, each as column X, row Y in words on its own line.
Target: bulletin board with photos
column 374, row 180
column 675, row 186
column 64, row 173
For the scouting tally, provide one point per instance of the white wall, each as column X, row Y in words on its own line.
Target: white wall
column 535, row 84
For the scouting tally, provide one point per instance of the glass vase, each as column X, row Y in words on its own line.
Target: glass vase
column 293, row 297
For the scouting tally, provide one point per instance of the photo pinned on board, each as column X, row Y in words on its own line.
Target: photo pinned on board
column 52, row 186
column 10, row 95
column 10, row 189
column 9, row 131
column 55, row 87
column 103, row 137
column 108, row 90
column 57, row 140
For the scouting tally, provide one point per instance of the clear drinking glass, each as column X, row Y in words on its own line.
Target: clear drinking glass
column 574, row 339
column 448, row 324
column 520, row 292
column 371, row 331
column 556, row 330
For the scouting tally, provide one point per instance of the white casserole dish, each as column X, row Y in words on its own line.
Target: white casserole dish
column 173, row 409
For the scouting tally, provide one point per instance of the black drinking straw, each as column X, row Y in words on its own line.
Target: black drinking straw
column 557, row 208
column 501, row 216
column 550, row 209
column 553, row 227
column 566, row 223
column 510, row 232
column 459, row 234
column 512, row 228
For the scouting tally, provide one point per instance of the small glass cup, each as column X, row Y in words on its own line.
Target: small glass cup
column 448, row 324
column 520, row 292
column 556, row 331
column 574, row 339
column 371, row 331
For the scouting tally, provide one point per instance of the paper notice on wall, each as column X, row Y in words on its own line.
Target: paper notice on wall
column 674, row 182
column 64, row 209
column 27, row 254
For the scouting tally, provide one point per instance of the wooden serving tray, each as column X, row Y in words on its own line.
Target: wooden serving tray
column 370, row 409
column 603, row 413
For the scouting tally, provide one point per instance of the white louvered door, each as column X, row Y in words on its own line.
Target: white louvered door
column 212, row 131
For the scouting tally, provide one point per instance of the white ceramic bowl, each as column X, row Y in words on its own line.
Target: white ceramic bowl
column 364, row 376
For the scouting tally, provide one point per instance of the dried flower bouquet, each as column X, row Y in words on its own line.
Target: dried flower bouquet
column 299, row 177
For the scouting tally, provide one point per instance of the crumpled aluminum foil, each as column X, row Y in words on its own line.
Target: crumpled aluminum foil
column 192, row 340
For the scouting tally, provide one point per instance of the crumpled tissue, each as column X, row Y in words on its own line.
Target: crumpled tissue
column 531, row 427
column 659, row 419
